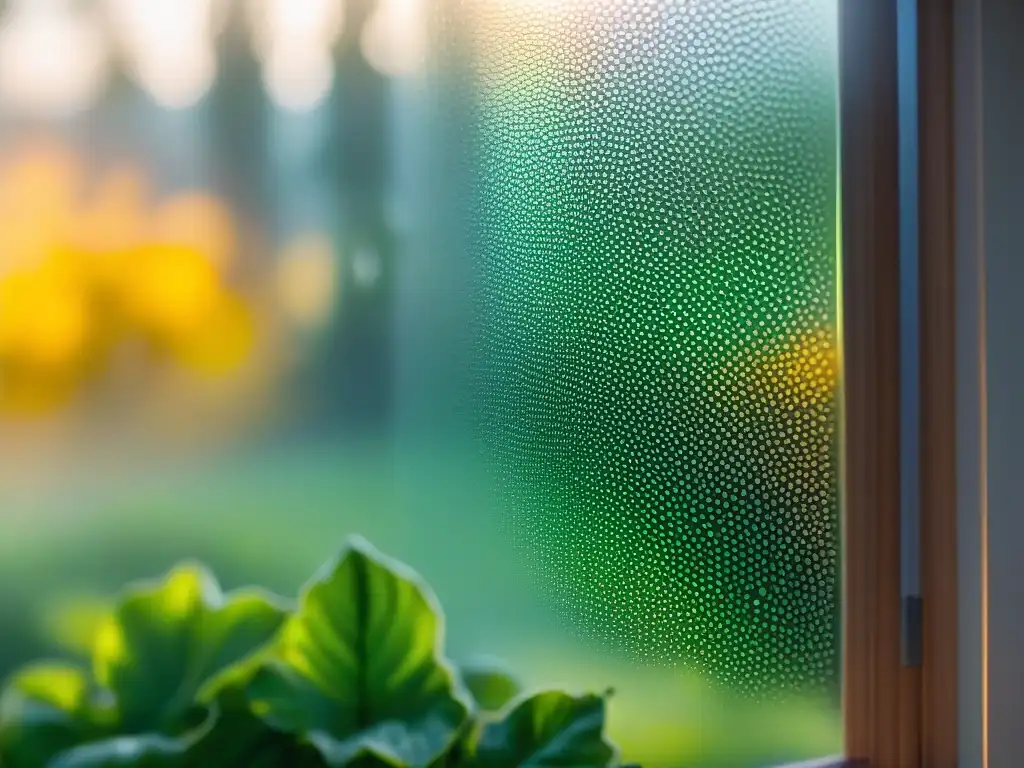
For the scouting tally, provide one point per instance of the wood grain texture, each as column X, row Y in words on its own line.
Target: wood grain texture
column 938, row 383
column 881, row 697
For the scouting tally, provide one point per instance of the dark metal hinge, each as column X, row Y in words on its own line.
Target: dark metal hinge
column 913, row 609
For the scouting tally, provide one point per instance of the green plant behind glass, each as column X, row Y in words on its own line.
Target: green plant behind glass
column 353, row 675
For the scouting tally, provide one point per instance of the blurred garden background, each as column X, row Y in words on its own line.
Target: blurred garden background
column 273, row 272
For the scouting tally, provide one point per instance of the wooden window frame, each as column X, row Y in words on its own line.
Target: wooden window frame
column 894, row 714
column 938, row 290
column 880, row 695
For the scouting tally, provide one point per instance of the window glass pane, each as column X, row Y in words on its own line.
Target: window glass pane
column 538, row 296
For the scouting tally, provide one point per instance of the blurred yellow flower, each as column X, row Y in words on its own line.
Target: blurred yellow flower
column 170, row 291
column 807, row 370
column 84, row 265
column 44, row 318
column 29, row 392
column 225, row 341
column 797, row 373
column 197, row 220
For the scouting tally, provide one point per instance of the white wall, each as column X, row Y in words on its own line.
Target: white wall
column 991, row 397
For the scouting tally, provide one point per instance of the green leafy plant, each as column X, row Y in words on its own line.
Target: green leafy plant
column 353, row 674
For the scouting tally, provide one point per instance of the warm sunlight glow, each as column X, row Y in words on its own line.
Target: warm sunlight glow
column 548, row 7
column 298, row 80
column 53, row 60
column 293, row 39
column 169, row 45
column 179, row 83
column 295, row 23
column 394, row 40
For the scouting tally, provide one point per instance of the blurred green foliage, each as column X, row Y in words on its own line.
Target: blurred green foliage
column 354, row 674
column 270, row 519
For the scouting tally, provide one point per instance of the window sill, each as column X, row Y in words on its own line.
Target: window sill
column 826, row 762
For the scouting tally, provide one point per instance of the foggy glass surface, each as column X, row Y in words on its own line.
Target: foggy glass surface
column 551, row 316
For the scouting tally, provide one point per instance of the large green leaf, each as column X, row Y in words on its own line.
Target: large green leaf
column 239, row 739
column 165, row 644
column 547, row 730
column 357, row 669
column 149, row 750
column 71, row 621
column 231, row 737
column 162, row 650
column 46, row 708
